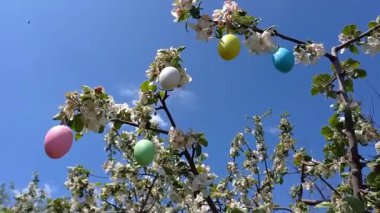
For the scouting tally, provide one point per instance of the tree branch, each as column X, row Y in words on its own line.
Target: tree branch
column 351, row 41
column 311, row 202
column 355, row 165
column 188, row 157
column 136, row 125
column 282, row 209
column 147, row 195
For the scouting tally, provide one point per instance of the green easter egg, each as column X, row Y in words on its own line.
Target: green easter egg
column 144, row 152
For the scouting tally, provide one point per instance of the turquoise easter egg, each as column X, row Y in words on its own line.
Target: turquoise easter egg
column 283, row 60
column 144, row 152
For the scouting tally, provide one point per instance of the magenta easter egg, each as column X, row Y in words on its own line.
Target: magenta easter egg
column 58, row 141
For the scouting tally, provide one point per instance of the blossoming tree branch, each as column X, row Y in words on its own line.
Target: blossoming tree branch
column 151, row 169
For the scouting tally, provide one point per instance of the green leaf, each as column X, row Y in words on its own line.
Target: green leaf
column 117, row 125
column 78, row 123
column 181, row 48
column 315, row 91
column 372, row 24
column 327, row 132
column 321, row 79
column 351, row 30
column 307, row 158
column 349, row 85
column 355, row 203
column 177, row 185
column 195, row 12
column 144, row 87
column 86, row 89
column 78, row 136
column 359, row 73
column 333, row 121
column 203, row 141
column 350, row 64
column 198, row 150
column 324, row 204
column 152, row 87
column 353, row 49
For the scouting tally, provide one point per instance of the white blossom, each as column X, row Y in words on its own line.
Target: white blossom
column 203, row 28
column 377, row 147
column 260, row 42
column 372, row 44
column 309, row 53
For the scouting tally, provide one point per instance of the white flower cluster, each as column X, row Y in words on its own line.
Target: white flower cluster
column 203, row 28
column 200, row 182
column 372, row 44
column 377, row 147
column 180, row 140
column 258, row 43
column 93, row 108
column 224, row 14
column 165, row 58
column 309, row 53
column 181, row 7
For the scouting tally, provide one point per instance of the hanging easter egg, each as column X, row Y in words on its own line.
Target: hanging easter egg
column 144, row 152
column 229, row 47
column 169, row 78
column 58, row 141
column 283, row 60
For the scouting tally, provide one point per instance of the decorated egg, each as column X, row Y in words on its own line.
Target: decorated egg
column 283, row 60
column 229, row 47
column 58, row 141
column 144, row 152
column 169, row 78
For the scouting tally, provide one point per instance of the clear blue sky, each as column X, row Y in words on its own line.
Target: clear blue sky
column 111, row 43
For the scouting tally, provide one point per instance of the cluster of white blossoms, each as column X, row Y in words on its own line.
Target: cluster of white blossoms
column 203, row 28
column 377, row 147
column 166, row 58
column 258, row 43
column 309, row 53
column 181, row 8
column 372, row 44
column 225, row 14
column 181, row 140
column 201, row 182
column 91, row 110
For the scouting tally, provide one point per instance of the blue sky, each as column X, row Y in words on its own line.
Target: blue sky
column 111, row 43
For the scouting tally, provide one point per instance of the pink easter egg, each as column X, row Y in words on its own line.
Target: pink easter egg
column 58, row 141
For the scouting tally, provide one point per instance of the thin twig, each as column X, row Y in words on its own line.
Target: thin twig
column 320, row 191
column 147, row 195
column 329, row 185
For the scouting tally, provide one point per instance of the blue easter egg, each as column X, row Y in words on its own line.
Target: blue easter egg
column 283, row 60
